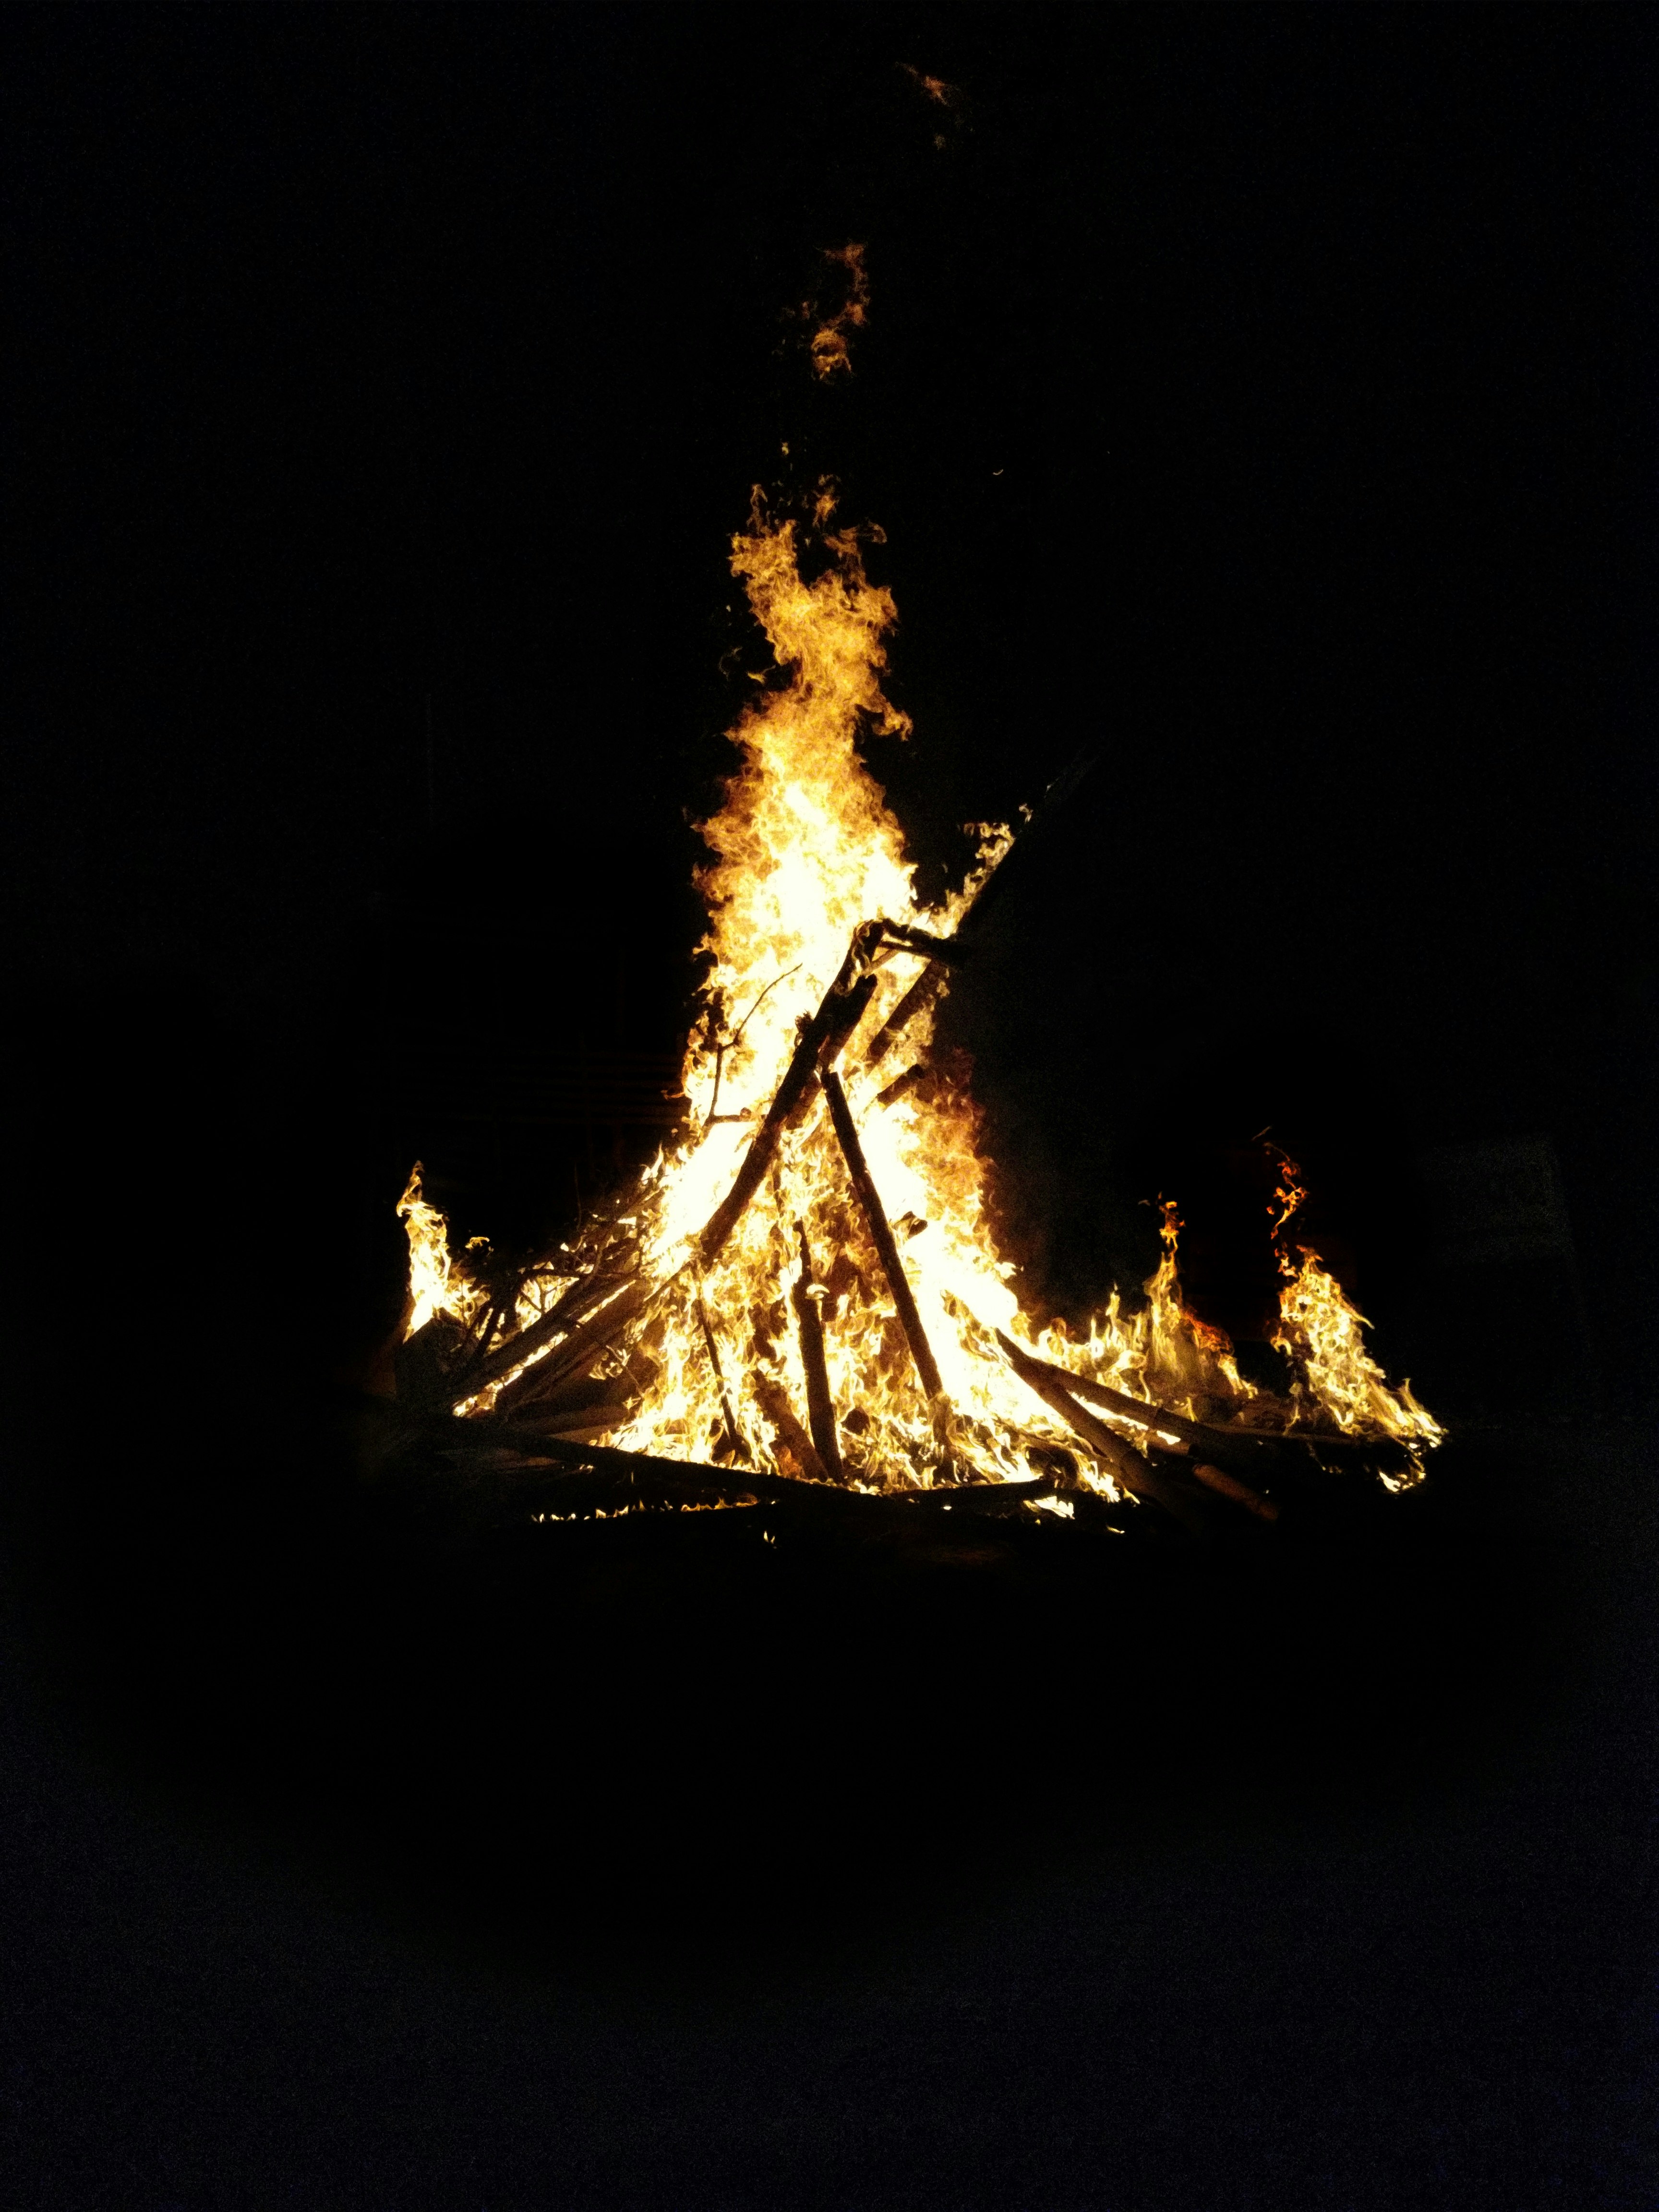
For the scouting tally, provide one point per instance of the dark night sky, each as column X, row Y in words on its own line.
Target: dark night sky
column 1263, row 395
column 1255, row 397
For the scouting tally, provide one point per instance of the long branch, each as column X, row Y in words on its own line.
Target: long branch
column 875, row 1215
column 820, row 1407
column 821, row 1038
column 1122, row 1459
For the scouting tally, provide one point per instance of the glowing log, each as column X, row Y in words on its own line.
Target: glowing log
column 875, row 1216
column 1251, row 1446
column 808, row 1301
column 560, row 1471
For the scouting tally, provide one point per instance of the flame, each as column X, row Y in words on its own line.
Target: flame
column 935, row 88
column 804, row 852
column 1322, row 1336
column 829, row 350
column 437, row 1283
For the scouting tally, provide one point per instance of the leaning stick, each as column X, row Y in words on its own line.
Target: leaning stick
column 561, row 1316
column 920, row 994
column 1138, row 1410
column 774, row 1404
column 578, row 1352
column 820, row 1037
column 733, row 1437
column 820, row 1407
column 875, row 1215
column 1123, row 1461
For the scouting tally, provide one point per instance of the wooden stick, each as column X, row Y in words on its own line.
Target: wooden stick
column 555, row 1465
column 1209, row 1437
column 898, row 1282
column 821, row 1038
column 576, row 1422
column 733, row 1435
column 900, row 1083
column 820, row 1407
column 1125, row 1462
column 774, row 1401
column 580, row 1348
column 920, row 996
column 561, row 1314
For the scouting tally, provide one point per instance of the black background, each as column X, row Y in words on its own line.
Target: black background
column 1264, row 397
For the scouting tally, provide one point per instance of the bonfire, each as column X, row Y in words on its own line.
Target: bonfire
column 802, row 1296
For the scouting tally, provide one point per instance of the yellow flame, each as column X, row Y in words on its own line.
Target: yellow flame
column 804, row 851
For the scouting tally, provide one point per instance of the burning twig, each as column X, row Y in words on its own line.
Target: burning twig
column 820, row 1409
column 731, row 1044
column 875, row 1216
column 901, row 1084
column 1155, row 1419
column 920, row 996
column 560, row 1470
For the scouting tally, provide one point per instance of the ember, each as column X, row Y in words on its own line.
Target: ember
column 805, row 1286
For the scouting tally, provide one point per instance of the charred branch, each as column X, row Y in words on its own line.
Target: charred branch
column 575, row 1355
column 1254, row 1448
column 734, row 1436
column 916, row 1000
column 1122, row 1459
column 875, row 1217
column 560, row 1475
column 563, row 1314
column 901, row 1084
column 774, row 1401
column 808, row 1301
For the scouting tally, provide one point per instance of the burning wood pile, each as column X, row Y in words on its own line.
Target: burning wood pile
column 800, row 1302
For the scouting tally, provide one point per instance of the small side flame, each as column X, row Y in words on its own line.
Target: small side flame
column 1322, row 1336
column 436, row 1283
